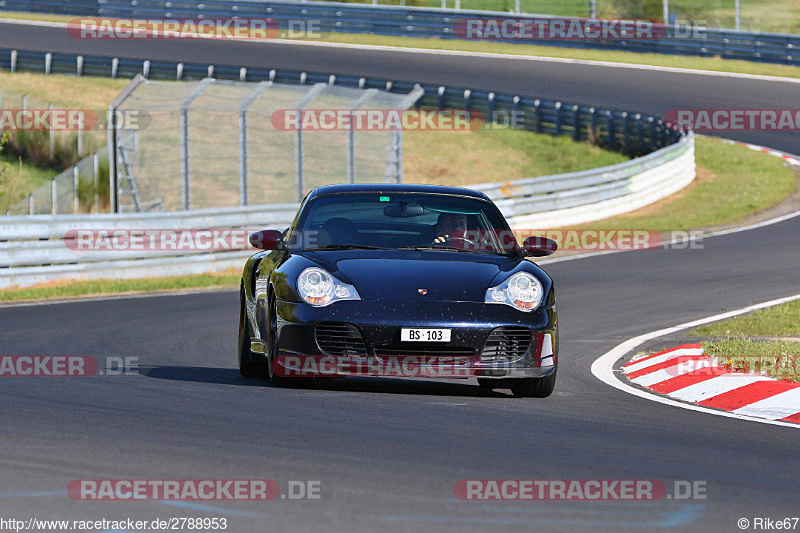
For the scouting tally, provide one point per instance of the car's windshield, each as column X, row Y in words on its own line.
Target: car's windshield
column 400, row 221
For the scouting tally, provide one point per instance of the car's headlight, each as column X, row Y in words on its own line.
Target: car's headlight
column 522, row 290
column 319, row 288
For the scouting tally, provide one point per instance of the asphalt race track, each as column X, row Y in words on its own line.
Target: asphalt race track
column 387, row 453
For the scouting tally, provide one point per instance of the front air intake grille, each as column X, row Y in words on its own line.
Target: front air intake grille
column 433, row 354
column 339, row 339
column 506, row 343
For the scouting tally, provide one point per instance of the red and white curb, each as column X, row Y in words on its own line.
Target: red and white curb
column 686, row 373
column 606, row 370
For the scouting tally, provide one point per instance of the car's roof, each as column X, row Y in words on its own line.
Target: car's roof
column 394, row 187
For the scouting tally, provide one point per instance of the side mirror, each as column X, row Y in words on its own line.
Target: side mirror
column 266, row 239
column 538, row 247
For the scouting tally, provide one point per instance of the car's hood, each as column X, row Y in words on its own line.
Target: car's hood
column 444, row 276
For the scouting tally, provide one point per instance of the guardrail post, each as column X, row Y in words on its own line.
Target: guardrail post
column 516, row 6
column 79, row 65
column 467, row 99
column 441, row 92
column 14, row 55
column 537, row 108
column 576, row 123
column 626, row 137
column 492, row 105
column 592, row 9
column 612, row 130
column 640, row 134
column 48, row 62
column 514, row 112
column 30, row 204
column 559, row 118
column 79, row 142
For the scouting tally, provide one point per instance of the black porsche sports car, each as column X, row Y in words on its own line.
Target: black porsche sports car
column 399, row 280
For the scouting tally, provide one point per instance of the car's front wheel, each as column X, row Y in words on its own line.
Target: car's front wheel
column 272, row 347
column 248, row 368
column 534, row 387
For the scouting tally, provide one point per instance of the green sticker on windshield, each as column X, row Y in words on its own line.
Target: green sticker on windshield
column 384, row 199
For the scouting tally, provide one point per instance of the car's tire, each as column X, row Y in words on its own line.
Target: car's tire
column 534, row 387
column 485, row 383
column 248, row 368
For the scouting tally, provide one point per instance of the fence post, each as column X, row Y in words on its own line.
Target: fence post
column 516, row 6
column 80, row 142
column 298, row 137
column 576, row 122
column 738, row 8
column 351, row 136
column 514, row 112
column 243, row 106
column 95, row 174
column 592, row 9
column 30, row 204
column 53, row 197
column 184, row 141
column 52, row 135
column 75, row 199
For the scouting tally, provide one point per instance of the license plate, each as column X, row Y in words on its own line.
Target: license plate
column 424, row 335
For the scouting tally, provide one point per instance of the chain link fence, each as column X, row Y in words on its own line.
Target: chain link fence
column 216, row 143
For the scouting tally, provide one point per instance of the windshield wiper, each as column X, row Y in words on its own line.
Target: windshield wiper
column 446, row 248
column 342, row 247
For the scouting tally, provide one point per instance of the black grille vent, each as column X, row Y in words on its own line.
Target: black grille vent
column 506, row 343
column 339, row 339
column 445, row 355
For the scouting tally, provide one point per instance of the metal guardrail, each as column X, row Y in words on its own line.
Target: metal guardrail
column 425, row 22
column 632, row 133
column 37, row 247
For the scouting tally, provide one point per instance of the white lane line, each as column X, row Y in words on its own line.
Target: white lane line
column 678, row 369
column 775, row 407
column 640, row 365
column 603, row 366
column 715, row 386
column 461, row 53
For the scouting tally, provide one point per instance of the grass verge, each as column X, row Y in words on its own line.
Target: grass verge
column 764, row 341
column 77, row 289
column 780, row 320
column 733, row 182
column 716, row 64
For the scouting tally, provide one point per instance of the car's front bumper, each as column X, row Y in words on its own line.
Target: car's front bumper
column 379, row 323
